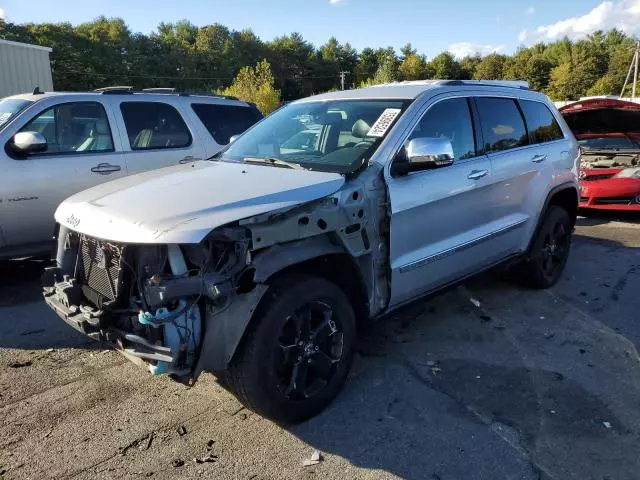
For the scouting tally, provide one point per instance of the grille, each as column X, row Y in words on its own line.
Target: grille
column 598, row 176
column 100, row 269
column 584, row 199
column 614, row 200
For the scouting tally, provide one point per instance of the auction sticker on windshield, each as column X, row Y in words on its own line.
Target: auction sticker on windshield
column 384, row 122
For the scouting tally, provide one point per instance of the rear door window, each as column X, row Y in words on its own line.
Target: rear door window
column 541, row 123
column 154, row 125
column 224, row 121
column 502, row 125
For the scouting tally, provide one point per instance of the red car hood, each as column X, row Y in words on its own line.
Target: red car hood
column 602, row 116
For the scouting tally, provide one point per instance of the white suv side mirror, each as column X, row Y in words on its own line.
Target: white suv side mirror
column 29, row 142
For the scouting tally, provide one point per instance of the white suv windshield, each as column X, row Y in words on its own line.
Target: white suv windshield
column 333, row 136
column 9, row 108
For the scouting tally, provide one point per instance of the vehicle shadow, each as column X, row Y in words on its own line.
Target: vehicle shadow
column 589, row 218
column 25, row 320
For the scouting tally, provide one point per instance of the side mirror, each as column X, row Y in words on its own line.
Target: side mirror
column 29, row 142
column 423, row 154
column 233, row 138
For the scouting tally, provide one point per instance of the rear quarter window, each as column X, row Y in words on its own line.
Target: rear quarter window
column 502, row 124
column 224, row 121
column 541, row 123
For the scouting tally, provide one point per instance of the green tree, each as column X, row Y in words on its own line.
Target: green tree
column 256, row 85
column 412, row 68
column 468, row 67
column 490, row 68
column 445, row 67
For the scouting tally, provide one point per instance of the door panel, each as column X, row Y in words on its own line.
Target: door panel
column 155, row 135
column 80, row 155
column 440, row 220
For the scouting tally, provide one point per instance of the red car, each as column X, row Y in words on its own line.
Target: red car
column 608, row 131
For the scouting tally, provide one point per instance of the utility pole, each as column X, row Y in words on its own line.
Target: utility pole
column 632, row 68
column 342, row 76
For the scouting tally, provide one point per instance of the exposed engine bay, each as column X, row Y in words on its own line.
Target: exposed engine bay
column 147, row 299
column 610, row 159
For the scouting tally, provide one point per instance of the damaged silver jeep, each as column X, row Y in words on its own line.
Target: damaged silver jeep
column 260, row 264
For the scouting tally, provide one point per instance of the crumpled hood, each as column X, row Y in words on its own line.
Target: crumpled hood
column 183, row 203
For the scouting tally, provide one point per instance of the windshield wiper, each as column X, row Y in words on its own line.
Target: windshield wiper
column 274, row 162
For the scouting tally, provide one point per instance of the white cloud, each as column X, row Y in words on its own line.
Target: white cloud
column 336, row 2
column 2, row 13
column 465, row 49
column 530, row 11
column 621, row 14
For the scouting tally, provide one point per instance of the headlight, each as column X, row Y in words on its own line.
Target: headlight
column 628, row 173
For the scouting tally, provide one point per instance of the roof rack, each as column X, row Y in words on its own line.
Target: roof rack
column 490, row 83
column 479, row 83
column 160, row 90
column 116, row 89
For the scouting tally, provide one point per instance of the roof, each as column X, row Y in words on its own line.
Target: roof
column 157, row 96
column 25, row 45
column 410, row 90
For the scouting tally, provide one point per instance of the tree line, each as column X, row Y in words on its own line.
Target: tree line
column 181, row 55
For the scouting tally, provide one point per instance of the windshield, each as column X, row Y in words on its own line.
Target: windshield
column 9, row 108
column 608, row 143
column 331, row 136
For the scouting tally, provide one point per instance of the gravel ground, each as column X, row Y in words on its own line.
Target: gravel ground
column 529, row 385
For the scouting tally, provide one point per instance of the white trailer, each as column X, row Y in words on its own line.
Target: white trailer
column 24, row 67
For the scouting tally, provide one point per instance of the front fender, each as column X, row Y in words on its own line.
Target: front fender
column 277, row 258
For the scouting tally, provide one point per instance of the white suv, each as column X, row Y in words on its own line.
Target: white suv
column 57, row 144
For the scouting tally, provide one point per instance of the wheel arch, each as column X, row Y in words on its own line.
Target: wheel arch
column 566, row 196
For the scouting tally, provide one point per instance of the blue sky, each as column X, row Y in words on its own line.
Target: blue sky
column 461, row 26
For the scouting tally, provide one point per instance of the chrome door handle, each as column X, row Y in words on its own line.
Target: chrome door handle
column 105, row 168
column 476, row 174
column 538, row 158
column 189, row 159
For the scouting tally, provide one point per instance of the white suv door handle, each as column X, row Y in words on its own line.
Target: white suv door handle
column 476, row 174
column 189, row 159
column 538, row 158
column 105, row 168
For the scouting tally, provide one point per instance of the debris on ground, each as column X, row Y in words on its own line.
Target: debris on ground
column 485, row 318
column 606, row 424
column 50, row 350
column 210, row 444
column 315, row 459
column 431, row 363
column 182, row 430
column 176, row 463
column 20, row 364
column 436, row 370
column 149, row 441
column 207, row 459
column 475, row 302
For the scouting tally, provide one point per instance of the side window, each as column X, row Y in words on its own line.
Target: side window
column 224, row 121
column 153, row 125
column 449, row 119
column 541, row 123
column 502, row 124
column 77, row 127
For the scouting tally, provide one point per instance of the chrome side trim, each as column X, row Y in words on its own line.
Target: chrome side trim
column 459, row 248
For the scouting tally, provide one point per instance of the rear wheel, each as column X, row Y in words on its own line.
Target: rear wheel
column 549, row 252
column 298, row 351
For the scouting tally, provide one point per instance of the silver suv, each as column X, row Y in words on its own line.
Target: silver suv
column 259, row 265
column 57, row 144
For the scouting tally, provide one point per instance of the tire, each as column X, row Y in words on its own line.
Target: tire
column 287, row 371
column 549, row 252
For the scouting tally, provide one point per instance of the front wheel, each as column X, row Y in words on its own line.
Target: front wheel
column 549, row 252
column 298, row 351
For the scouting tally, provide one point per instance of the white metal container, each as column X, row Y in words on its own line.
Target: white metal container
column 23, row 67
